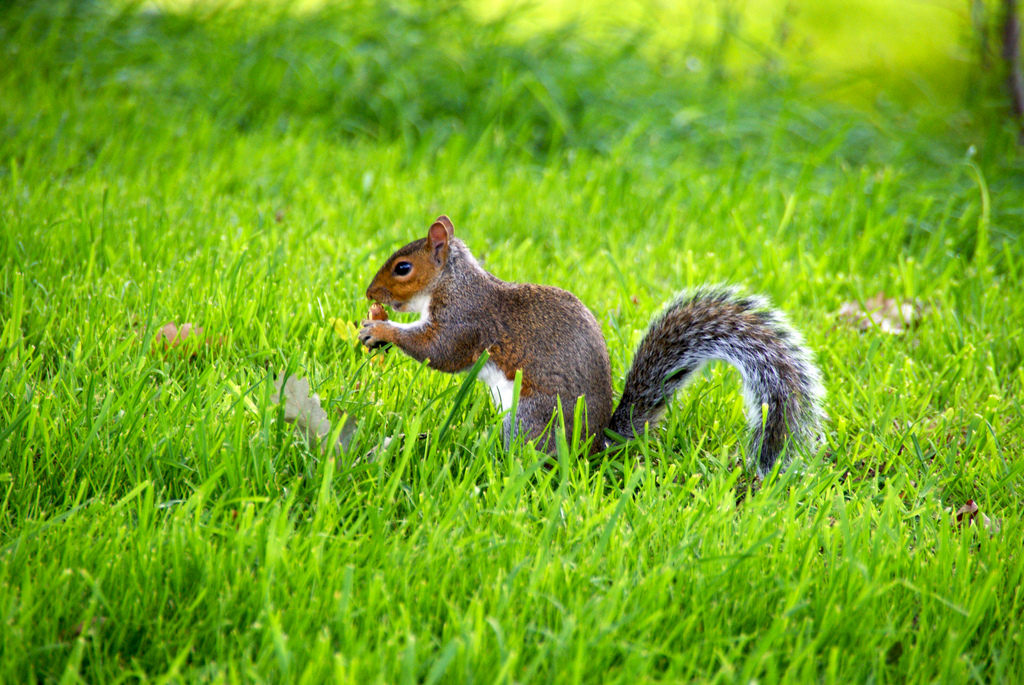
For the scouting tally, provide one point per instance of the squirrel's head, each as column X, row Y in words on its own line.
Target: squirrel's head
column 410, row 272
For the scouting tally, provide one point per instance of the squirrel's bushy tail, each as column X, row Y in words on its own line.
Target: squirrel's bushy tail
column 715, row 323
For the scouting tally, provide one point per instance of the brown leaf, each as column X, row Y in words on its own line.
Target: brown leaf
column 889, row 314
column 970, row 510
column 174, row 336
column 188, row 336
column 969, row 514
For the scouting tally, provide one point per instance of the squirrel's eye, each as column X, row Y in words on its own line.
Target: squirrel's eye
column 403, row 268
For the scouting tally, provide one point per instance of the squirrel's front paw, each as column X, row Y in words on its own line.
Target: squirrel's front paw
column 373, row 333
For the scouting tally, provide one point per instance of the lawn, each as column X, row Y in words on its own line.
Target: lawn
column 246, row 170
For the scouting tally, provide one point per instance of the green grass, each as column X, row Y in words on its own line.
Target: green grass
column 249, row 173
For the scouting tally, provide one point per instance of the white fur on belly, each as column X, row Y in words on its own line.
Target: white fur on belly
column 501, row 388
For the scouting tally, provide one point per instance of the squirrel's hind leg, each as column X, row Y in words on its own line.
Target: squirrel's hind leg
column 532, row 421
column 537, row 421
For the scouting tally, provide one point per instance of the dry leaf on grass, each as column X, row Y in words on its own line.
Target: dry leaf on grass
column 303, row 409
column 969, row 510
column 968, row 513
column 188, row 336
column 889, row 314
column 173, row 335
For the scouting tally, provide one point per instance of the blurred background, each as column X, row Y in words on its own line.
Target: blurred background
column 533, row 76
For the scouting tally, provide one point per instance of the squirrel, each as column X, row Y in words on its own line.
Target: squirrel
column 549, row 335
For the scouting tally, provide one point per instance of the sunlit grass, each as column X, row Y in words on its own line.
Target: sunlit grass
column 854, row 51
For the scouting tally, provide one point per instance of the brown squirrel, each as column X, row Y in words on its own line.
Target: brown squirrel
column 556, row 342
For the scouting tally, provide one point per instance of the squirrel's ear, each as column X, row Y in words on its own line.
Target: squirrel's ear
column 447, row 223
column 440, row 232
